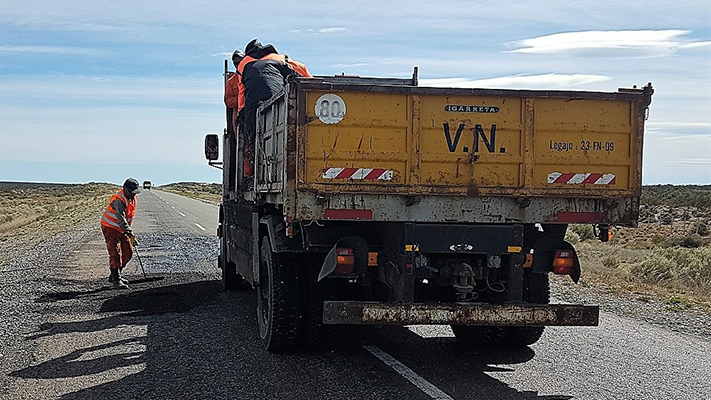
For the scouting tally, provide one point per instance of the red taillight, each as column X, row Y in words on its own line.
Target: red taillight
column 345, row 260
column 564, row 262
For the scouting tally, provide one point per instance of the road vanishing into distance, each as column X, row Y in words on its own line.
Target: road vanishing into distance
column 177, row 334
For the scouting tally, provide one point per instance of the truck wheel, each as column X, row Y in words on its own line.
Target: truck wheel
column 278, row 300
column 231, row 280
column 536, row 290
column 479, row 335
column 316, row 334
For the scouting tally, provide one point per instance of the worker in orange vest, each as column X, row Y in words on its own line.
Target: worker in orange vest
column 234, row 97
column 116, row 227
column 262, row 74
column 234, row 100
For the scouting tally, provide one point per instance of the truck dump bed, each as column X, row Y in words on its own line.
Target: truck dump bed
column 395, row 152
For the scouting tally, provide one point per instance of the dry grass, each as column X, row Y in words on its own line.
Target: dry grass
column 35, row 211
column 209, row 192
column 671, row 263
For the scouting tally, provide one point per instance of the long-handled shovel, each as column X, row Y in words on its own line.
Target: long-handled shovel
column 145, row 278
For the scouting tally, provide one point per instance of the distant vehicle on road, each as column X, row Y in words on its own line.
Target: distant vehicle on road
column 147, row 185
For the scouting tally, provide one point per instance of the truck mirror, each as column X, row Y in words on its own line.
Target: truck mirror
column 212, row 146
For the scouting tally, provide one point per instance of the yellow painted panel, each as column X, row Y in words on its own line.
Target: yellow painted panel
column 364, row 110
column 565, row 147
column 466, row 138
column 471, row 110
column 331, row 140
column 466, row 141
column 461, row 174
column 578, row 115
column 373, row 133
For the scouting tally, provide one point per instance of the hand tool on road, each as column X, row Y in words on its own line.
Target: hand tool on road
column 145, row 278
column 135, row 250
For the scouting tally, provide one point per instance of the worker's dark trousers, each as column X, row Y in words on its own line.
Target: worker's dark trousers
column 120, row 250
column 250, row 124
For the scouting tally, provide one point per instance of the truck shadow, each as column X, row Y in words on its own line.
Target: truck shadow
column 202, row 342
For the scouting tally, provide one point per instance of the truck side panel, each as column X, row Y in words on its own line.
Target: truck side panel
column 525, row 156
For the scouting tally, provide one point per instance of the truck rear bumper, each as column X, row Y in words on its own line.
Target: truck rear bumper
column 371, row 313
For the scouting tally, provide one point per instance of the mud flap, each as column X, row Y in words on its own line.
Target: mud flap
column 360, row 250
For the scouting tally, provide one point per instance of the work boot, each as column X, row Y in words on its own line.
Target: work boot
column 116, row 280
column 121, row 278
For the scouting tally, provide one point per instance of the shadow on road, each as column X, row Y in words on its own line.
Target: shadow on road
column 202, row 342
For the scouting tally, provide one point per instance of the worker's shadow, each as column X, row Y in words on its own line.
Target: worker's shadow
column 133, row 305
column 89, row 360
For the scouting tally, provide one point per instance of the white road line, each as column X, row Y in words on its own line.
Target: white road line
column 198, row 225
column 430, row 389
column 173, row 207
column 181, row 213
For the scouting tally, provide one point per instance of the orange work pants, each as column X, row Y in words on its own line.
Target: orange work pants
column 119, row 247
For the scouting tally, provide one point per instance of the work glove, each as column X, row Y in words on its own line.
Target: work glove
column 133, row 240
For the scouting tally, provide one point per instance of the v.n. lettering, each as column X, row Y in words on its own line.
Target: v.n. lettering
column 479, row 134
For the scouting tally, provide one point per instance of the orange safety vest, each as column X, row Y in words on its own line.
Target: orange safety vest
column 109, row 219
column 298, row 67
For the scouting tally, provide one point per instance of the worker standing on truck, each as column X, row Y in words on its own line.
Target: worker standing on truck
column 263, row 72
column 116, row 226
column 234, row 97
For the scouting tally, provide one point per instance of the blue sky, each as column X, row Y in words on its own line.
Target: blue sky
column 98, row 91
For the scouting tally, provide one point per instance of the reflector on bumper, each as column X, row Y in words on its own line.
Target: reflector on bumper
column 351, row 312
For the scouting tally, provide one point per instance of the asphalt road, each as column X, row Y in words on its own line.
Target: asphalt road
column 184, row 337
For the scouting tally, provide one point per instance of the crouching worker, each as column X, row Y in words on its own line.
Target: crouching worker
column 116, row 226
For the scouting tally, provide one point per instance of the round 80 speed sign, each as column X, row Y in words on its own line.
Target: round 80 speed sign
column 330, row 108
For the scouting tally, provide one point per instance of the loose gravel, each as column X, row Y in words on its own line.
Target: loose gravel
column 650, row 310
column 50, row 297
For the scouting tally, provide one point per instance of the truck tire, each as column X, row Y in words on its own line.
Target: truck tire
column 536, row 290
column 315, row 333
column 231, row 280
column 278, row 300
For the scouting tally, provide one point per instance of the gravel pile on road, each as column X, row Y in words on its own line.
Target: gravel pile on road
column 48, row 292
column 27, row 273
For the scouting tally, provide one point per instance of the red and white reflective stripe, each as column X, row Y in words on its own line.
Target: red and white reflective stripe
column 357, row 173
column 581, row 179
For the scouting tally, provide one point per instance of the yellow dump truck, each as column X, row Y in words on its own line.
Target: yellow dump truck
column 378, row 201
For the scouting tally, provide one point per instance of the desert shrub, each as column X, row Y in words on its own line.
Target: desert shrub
column 687, row 267
column 677, row 196
column 654, row 268
column 680, row 240
column 571, row 237
column 647, row 215
column 692, row 266
column 610, row 261
column 584, row 232
column 700, row 228
column 666, row 218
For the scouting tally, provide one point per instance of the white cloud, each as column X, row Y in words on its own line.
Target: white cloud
column 351, row 65
column 52, row 50
column 642, row 43
column 519, row 81
column 696, row 45
column 332, row 30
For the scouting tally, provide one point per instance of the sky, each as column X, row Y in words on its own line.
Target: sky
column 103, row 90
